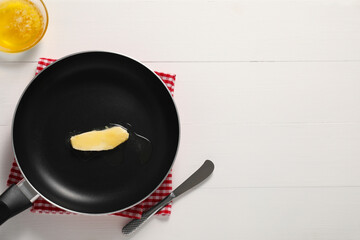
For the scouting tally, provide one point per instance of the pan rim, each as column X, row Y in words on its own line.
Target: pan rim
column 89, row 213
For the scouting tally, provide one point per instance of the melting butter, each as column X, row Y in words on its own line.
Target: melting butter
column 99, row 140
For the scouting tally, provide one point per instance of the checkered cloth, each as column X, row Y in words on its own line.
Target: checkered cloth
column 42, row 206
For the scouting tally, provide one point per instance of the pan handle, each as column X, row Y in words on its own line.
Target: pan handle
column 16, row 199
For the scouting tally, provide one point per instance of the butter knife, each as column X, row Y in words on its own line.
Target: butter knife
column 197, row 177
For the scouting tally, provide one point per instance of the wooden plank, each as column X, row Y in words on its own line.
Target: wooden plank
column 271, row 155
column 267, row 93
column 238, row 93
column 203, row 30
column 259, row 156
column 253, row 214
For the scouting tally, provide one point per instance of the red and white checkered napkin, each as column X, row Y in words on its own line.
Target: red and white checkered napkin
column 42, row 206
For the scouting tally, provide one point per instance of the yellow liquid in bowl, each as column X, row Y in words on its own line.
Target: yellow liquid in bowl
column 21, row 25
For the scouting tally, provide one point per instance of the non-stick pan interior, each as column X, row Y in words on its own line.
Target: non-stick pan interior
column 84, row 92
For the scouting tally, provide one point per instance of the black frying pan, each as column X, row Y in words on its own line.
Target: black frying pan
column 80, row 93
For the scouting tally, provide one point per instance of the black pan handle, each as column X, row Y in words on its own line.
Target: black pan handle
column 13, row 201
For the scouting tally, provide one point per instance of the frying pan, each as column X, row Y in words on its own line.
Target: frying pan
column 79, row 93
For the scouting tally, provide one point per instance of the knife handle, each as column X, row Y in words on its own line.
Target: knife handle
column 136, row 223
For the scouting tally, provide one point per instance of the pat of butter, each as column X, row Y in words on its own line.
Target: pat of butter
column 99, row 140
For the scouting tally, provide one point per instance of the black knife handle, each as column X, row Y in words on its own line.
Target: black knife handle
column 136, row 223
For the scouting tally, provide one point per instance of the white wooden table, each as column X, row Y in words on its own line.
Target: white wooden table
column 268, row 90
